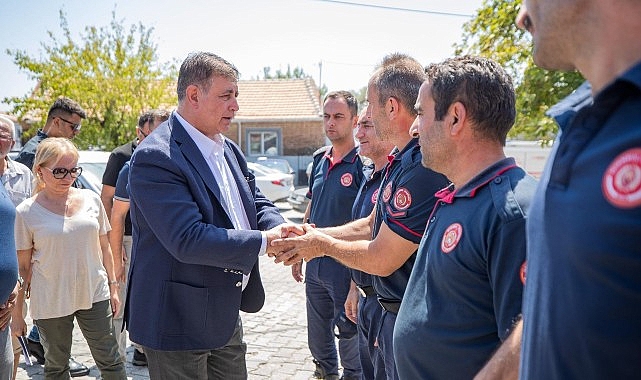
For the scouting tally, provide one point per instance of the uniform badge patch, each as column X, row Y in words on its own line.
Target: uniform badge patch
column 374, row 196
column 387, row 192
column 402, row 199
column 523, row 272
column 621, row 183
column 451, row 237
column 346, row 179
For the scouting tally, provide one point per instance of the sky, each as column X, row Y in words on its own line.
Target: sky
column 336, row 42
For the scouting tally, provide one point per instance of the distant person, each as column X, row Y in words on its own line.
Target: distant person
column 199, row 225
column 581, row 318
column 17, row 181
column 9, row 284
column 63, row 120
column 120, row 235
column 61, row 238
column 336, row 177
column 384, row 244
column 467, row 281
column 361, row 305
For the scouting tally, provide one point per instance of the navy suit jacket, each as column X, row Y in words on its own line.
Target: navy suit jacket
column 187, row 258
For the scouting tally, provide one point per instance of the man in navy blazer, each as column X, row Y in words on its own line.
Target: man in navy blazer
column 199, row 225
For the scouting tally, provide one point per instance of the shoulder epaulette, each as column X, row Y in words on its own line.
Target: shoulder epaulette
column 323, row 150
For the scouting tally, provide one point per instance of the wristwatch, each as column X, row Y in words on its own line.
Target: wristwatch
column 20, row 281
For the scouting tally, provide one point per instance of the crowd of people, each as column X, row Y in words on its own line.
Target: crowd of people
column 431, row 253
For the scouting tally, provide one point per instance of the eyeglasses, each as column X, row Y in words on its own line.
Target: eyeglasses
column 6, row 138
column 60, row 173
column 143, row 133
column 75, row 127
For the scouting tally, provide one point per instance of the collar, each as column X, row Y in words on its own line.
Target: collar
column 206, row 145
column 565, row 110
column 349, row 157
column 469, row 190
column 42, row 134
column 397, row 155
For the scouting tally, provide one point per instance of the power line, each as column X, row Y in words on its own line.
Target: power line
column 399, row 9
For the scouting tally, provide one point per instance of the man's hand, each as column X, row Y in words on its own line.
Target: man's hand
column 7, row 307
column 281, row 231
column 351, row 303
column 297, row 271
column 119, row 269
column 115, row 299
column 303, row 247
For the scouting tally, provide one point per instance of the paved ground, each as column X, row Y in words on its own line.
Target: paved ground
column 276, row 336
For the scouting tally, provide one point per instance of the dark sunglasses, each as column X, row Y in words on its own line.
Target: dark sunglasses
column 60, row 173
column 75, row 127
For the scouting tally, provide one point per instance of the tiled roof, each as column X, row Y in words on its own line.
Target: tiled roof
column 278, row 99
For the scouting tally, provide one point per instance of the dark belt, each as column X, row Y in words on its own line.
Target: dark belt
column 366, row 291
column 391, row 306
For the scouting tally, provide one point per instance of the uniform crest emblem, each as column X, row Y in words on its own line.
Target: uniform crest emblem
column 402, row 199
column 387, row 192
column 346, row 179
column 621, row 183
column 451, row 237
column 374, row 196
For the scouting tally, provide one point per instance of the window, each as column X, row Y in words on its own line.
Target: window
column 264, row 142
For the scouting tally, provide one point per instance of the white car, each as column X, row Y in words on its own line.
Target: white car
column 93, row 164
column 272, row 183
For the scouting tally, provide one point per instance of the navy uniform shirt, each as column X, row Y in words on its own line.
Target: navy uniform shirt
column 405, row 199
column 468, row 291
column 582, row 302
column 363, row 206
column 333, row 188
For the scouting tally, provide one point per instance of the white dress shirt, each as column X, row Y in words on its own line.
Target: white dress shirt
column 214, row 153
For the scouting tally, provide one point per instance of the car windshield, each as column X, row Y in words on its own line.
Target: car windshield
column 96, row 168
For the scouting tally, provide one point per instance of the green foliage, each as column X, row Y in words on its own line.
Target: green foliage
column 493, row 34
column 298, row 73
column 112, row 73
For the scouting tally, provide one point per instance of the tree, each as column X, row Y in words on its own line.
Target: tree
column 298, row 73
column 112, row 72
column 493, row 34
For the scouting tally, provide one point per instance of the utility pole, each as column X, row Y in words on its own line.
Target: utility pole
column 320, row 82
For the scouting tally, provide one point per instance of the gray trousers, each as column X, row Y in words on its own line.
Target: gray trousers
column 121, row 335
column 225, row 363
column 96, row 327
column 6, row 355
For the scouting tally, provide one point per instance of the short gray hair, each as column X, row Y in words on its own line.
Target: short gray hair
column 199, row 68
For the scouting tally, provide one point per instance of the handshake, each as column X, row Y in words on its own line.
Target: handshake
column 292, row 243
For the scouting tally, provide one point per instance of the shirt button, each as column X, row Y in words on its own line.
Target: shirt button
column 497, row 180
column 239, row 284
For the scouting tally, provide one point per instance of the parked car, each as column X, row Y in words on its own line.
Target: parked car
column 298, row 199
column 280, row 164
column 272, row 183
column 93, row 163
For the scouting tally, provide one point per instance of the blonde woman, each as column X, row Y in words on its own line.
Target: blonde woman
column 61, row 235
